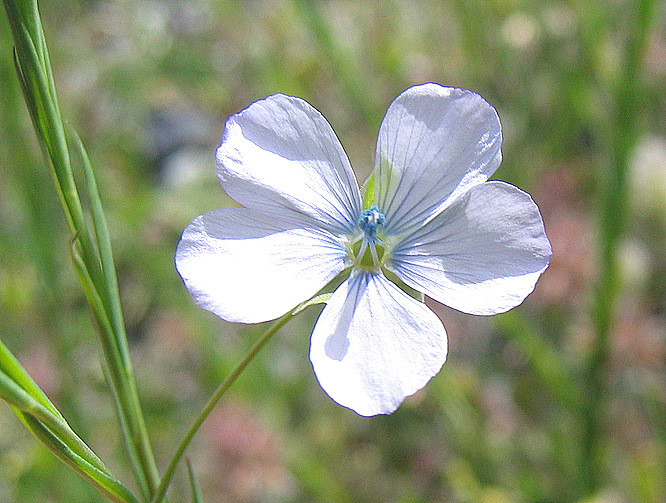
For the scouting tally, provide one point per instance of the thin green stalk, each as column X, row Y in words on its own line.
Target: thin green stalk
column 125, row 393
column 93, row 257
column 613, row 195
column 124, row 397
column 194, row 486
column 217, row 395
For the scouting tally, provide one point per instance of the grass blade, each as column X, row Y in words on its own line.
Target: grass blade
column 42, row 418
column 195, row 491
column 92, row 258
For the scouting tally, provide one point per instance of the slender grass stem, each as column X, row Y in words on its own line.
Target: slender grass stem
column 613, row 198
column 215, row 398
column 93, row 259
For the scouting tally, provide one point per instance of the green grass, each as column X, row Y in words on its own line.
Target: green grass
column 560, row 400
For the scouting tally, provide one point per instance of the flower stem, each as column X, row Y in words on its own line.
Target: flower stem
column 217, row 395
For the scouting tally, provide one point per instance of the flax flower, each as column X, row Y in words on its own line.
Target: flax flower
column 426, row 221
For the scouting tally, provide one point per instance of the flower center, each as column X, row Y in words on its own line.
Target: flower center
column 370, row 219
column 367, row 249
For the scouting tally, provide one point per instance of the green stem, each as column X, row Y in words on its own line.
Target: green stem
column 612, row 215
column 219, row 392
column 125, row 392
column 194, row 486
column 93, row 257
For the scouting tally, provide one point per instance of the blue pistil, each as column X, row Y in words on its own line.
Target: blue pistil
column 369, row 220
column 368, row 249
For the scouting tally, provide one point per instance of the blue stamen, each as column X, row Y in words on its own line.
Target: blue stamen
column 370, row 219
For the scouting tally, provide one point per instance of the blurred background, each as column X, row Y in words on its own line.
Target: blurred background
column 148, row 84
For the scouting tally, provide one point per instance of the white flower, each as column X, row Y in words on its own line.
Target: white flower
column 431, row 221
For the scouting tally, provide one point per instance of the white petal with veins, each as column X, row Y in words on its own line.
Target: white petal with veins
column 249, row 268
column 373, row 345
column 481, row 255
column 434, row 143
column 280, row 157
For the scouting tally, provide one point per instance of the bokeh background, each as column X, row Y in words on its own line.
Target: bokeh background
column 148, row 84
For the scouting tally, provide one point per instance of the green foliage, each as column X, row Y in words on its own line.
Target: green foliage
column 91, row 253
column 41, row 417
column 559, row 400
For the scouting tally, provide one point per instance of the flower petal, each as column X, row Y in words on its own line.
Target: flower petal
column 250, row 268
column 434, row 143
column 373, row 345
column 481, row 255
column 280, row 157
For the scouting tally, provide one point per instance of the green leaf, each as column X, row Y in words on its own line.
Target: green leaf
column 318, row 299
column 15, row 371
column 102, row 480
column 368, row 191
column 41, row 417
column 374, row 183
